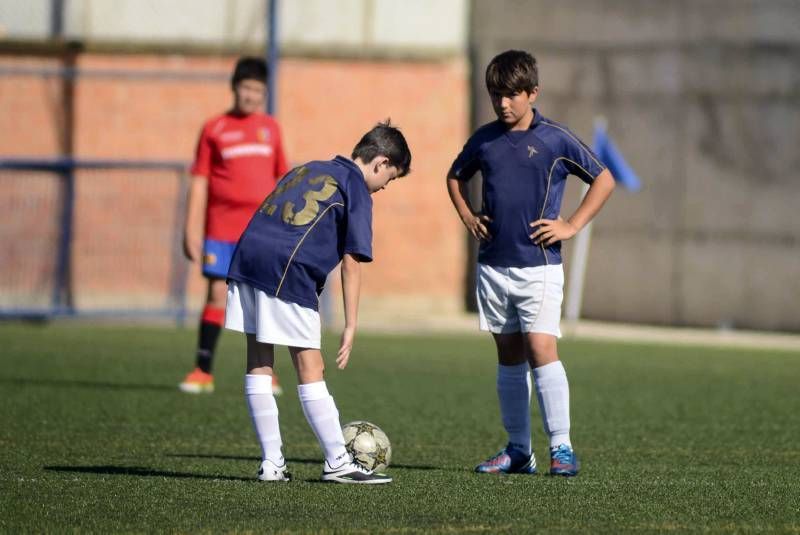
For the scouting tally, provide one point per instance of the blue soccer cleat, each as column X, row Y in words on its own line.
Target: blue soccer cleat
column 563, row 461
column 508, row 461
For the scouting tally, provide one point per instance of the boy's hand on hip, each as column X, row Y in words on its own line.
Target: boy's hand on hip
column 476, row 225
column 346, row 345
column 552, row 230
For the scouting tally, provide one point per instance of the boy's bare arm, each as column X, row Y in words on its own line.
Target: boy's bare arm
column 351, row 288
column 552, row 230
column 475, row 223
column 195, row 214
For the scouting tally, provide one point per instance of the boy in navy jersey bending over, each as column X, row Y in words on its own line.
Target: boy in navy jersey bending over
column 525, row 159
column 319, row 214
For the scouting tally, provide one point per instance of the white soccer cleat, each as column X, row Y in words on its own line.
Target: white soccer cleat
column 353, row 473
column 270, row 471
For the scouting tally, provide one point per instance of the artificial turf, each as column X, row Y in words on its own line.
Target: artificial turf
column 95, row 437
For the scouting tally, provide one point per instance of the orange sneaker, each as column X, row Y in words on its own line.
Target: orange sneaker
column 276, row 387
column 197, row 382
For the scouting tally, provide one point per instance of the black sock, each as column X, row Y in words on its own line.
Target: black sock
column 207, row 342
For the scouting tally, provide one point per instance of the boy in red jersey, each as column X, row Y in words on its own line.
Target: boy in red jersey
column 239, row 160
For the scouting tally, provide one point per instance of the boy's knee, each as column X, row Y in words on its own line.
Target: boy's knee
column 309, row 365
column 510, row 358
column 311, row 374
column 510, row 348
column 217, row 293
column 543, row 349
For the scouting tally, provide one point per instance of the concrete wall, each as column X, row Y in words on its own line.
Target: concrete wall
column 355, row 26
column 703, row 98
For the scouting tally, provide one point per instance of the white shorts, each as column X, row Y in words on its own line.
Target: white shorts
column 272, row 320
column 526, row 299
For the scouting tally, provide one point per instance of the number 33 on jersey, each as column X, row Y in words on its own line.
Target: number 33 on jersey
column 312, row 197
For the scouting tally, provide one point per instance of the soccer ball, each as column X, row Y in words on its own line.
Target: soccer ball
column 368, row 445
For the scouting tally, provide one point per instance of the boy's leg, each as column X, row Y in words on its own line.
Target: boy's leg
column 552, row 388
column 497, row 315
column 276, row 387
column 318, row 405
column 213, row 317
column 514, row 389
column 211, row 323
column 552, row 391
column 537, row 295
column 263, row 409
column 514, row 394
column 323, row 417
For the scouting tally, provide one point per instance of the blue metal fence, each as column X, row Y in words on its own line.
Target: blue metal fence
column 63, row 300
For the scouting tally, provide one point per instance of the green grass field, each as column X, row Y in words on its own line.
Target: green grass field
column 95, row 437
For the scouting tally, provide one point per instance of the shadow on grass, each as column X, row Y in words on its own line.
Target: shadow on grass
column 71, row 383
column 297, row 460
column 253, row 458
column 139, row 471
column 393, row 465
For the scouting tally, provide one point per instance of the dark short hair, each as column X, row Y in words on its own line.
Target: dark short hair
column 385, row 140
column 511, row 72
column 250, row 68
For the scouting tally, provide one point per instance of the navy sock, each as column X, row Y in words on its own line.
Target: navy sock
column 209, row 334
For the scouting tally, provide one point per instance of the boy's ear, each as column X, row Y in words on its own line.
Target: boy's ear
column 377, row 161
column 533, row 94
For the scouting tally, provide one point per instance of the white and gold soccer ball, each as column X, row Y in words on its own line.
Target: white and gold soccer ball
column 368, row 445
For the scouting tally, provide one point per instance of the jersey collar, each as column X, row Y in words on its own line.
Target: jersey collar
column 537, row 118
column 347, row 162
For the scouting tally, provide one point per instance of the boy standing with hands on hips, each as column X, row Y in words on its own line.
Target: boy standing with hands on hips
column 525, row 159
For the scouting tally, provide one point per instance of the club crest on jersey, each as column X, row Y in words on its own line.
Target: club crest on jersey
column 531, row 151
column 263, row 134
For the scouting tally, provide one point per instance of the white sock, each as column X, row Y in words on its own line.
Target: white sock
column 321, row 413
column 264, row 413
column 552, row 390
column 514, row 393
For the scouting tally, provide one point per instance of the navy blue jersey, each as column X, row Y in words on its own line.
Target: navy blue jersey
column 524, row 173
column 317, row 213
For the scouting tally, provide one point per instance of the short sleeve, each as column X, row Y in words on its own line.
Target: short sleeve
column 581, row 160
column 202, row 158
column 358, row 236
column 467, row 163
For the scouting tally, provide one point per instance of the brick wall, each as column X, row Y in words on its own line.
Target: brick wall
column 323, row 105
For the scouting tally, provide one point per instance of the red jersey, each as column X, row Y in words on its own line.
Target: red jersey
column 242, row 158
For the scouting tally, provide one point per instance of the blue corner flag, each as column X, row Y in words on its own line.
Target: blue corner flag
column 612, row 157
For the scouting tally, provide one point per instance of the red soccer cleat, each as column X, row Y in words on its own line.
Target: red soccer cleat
column 197, row 382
